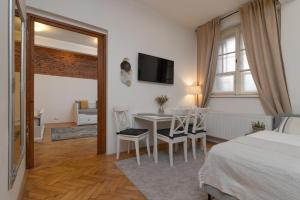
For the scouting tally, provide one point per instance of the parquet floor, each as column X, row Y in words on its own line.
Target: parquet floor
column 71, row 170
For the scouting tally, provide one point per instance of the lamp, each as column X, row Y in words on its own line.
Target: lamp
column 39, row 27
column 195, row 90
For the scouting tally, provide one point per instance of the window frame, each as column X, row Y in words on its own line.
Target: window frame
column 237, row 86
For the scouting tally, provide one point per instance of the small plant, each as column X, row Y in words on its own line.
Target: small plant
column 161, row 101
column 258, row 126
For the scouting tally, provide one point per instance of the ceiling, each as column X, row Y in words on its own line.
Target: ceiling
column 65, row 35
column 192, row 13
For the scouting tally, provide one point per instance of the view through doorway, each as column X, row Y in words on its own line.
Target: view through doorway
column 66, row 92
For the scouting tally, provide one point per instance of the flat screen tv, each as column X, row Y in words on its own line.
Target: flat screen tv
column 154, row 69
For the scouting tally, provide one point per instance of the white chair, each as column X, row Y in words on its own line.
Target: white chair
column 197, row 130
column 177, row 133
column 126, row 132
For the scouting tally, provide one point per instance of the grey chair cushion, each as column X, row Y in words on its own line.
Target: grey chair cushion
column 133, row 132
column 166, row 132
column 197, row 131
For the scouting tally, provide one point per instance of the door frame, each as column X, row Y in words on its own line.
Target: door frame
column 101, row 82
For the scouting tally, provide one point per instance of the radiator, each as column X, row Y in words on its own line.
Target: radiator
column 231, row 125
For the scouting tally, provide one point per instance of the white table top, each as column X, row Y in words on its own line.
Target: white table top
column 153, row 116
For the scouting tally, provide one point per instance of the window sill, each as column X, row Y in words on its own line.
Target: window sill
column 234, row 96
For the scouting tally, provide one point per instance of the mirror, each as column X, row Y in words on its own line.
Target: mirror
column 16, row 89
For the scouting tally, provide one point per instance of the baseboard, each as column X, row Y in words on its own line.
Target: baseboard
column 215, row 140
column 22, row 188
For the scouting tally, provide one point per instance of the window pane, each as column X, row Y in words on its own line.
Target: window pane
column 229, row 44
column 219, row 65
column 244, row 61
column 224, row 83
column 220, row 50
column 229, row 62
column 247, row 82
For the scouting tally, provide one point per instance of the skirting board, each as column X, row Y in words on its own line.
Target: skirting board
column 215, row 140
column 22, row 189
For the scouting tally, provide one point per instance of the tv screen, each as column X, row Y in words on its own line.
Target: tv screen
column 154, row 69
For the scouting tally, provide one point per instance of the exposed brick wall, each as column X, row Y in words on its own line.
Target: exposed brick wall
column 64, row 63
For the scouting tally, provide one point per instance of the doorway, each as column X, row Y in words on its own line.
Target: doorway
column 100, row 77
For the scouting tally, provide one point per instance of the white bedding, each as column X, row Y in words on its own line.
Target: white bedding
column 261, row 166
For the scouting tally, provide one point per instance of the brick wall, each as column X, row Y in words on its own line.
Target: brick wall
column 56, row 62
column 64, row 63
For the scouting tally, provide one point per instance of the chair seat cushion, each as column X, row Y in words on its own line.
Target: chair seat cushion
column 197, row 131
column 166, row 132
column 133, row 132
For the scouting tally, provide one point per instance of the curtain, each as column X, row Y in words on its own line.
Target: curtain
column 208, row 36
column 260, row 27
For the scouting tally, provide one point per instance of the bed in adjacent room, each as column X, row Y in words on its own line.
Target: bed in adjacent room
column 261, row 166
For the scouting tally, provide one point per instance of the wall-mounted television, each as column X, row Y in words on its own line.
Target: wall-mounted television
column 155, row 69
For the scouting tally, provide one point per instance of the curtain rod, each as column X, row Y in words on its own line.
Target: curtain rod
column 226, row 15
column 230, row 14
column 278, row 4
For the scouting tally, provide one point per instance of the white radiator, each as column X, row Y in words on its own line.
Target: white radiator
column 231, row 125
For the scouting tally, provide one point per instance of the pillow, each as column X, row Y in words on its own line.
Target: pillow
column 290, row 125
column 84, row 104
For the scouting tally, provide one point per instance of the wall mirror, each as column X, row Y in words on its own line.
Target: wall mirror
column 17, row 127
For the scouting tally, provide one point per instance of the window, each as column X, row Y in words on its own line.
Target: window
column 233, row 76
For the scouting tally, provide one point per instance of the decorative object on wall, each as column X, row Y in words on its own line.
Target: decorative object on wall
column 161, row 101
column 16, row 93
column 126, row 72
column 196, row 91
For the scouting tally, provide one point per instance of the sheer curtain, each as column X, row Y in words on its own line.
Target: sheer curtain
column 208, row 36
column 260, row 27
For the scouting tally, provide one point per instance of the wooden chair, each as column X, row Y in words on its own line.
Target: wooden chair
column 197, row 129
column 125, row 131
column 177, row 133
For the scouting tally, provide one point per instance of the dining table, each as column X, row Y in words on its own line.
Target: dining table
column 154, row 118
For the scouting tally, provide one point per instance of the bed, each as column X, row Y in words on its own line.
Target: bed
column 262, row 166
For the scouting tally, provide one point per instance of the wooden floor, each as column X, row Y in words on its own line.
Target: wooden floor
column 71, row 170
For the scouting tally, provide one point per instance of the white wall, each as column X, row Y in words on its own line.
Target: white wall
column 57, row 95
column 6, row 194
column 291, row 50
column 133, row 28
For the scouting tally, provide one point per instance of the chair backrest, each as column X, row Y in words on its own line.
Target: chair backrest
column 199, row 117
column 180, row 121
column 122, row 119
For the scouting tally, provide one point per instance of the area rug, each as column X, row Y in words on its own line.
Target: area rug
column 162, row 182
column 73, row 132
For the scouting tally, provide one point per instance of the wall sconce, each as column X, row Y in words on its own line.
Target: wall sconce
column 196, row 91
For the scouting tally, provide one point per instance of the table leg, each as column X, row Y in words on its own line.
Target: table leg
column 155, row 141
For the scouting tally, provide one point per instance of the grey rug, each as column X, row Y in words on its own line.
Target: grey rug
column 161, row 182
column 73, row 132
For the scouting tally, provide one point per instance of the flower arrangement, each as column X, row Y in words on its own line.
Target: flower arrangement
column 161, row 101
column 258, row 126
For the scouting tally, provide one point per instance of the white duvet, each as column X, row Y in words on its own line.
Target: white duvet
column 261, row 166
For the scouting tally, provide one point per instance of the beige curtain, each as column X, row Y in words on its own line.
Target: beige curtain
column 260, row 28
column 208, row 36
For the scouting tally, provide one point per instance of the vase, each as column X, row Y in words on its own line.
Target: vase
column 161, row 109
